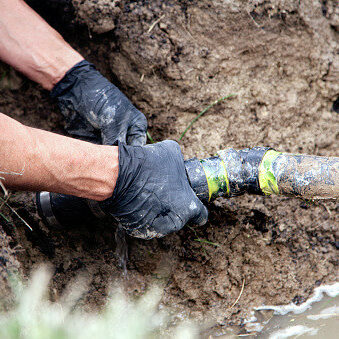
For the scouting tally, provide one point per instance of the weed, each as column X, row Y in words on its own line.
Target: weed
column 3, row 75
column 150, row 137
column 207, row 242
column 204, row 111
column 4, row 217
column 15, row 212
column 203, row 241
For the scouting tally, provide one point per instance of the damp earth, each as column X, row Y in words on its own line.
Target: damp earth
column 172, row 59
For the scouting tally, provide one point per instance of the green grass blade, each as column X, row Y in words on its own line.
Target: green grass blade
column 150, row 137
column 204, row 111
column 3, row 75
column 207, row 242
column 3, row 216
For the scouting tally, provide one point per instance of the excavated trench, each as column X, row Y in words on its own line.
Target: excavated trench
column 172, row 59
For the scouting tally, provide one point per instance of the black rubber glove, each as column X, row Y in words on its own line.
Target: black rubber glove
column 153, row 196
column 96, row 110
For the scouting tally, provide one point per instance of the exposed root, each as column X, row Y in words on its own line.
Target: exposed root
column 242, row 290
column 155, row 23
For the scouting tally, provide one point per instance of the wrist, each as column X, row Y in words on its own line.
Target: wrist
column 57, row 69
column 90, row 171
column 108, row 170
column 75, row 167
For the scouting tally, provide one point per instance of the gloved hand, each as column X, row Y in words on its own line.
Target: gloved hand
column 96, row 110
column 152, row 196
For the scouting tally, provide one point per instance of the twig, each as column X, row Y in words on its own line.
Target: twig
column 154, row 23
column 18, row 248
column 16, row 213
column 327, row 209
column 242, row 289
column 204, row 111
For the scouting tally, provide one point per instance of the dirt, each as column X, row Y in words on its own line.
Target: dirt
column 172, row 59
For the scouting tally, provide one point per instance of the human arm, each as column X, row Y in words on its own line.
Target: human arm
column 144, row 187
column 36, row 160
column 30, row 45
column 94, row 108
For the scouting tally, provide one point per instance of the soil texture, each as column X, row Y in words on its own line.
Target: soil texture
column 172, row 59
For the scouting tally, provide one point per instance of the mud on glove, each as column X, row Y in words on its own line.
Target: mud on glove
column 152, row 196
column 96, row 110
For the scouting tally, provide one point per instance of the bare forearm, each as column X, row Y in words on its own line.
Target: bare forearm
column 31, row 46
column 36, row 160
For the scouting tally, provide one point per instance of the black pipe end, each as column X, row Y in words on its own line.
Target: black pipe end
column 60, row 211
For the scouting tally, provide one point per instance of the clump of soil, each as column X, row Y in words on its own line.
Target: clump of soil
column 172, row 59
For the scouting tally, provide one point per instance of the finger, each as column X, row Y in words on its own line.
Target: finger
column 110, row 137
column 136, row 135
column 81, row 129
column 201, row 216
column 137, row 140
column 161, row 226
column 165, row 224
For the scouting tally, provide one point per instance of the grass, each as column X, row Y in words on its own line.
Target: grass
column 35, row 317
column 203, row 241
column 204, row 111
column 4, row 202
column 6, row 196
column 150, row 137
column 3, row 75
column 197, row 117
column 4, row 217
column 242, row 290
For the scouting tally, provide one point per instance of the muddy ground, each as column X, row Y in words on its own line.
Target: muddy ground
column 281, row 60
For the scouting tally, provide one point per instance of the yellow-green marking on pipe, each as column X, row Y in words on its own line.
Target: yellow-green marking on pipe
column 216, row 176
column 267, row 180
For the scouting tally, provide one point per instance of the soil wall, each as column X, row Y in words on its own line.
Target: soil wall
column 172, row 59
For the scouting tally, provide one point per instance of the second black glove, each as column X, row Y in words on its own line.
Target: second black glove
column 96, row 110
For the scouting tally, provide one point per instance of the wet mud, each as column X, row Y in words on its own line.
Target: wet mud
column 172, row 59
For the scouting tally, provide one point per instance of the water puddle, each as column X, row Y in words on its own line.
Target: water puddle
column 318, row 317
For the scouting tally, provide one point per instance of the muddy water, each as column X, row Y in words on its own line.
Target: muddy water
column 317, row 318
column 322, row 321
